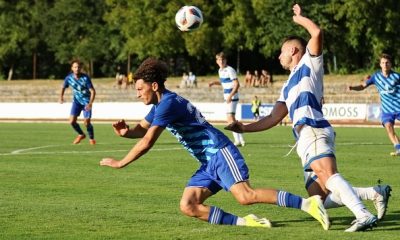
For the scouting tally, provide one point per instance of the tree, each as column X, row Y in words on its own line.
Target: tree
column 75, row 29
column 14, row 17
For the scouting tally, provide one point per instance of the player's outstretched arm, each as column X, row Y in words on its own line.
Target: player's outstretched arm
column 140, row 148
column 315, row 42
column 212, row 83
column 357, row 87
column 122, row 129
column 277, row 114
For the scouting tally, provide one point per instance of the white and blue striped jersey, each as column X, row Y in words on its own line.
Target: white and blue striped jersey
column 389, row 90
column 188, row 125
column 226, row 76
column 303, row 91
column 80, row 87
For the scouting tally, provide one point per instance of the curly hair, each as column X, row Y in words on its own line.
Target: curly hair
column 152, row 70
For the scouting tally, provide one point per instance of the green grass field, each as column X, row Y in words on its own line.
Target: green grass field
column 51, row 189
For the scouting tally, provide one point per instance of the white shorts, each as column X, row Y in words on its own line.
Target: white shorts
column 231, row 107
column 315, row 143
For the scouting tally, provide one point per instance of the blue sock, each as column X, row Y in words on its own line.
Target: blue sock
column 286, row 199
column 90, row 131
column 397, row 147
column 218, row 216
column 77, row 128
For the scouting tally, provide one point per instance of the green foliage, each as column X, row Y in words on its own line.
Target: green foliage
column 14, row 17
column 74, row 29
column 107, row 32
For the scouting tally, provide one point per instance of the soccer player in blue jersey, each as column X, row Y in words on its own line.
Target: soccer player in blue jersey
column 387, row 82
column 221, row 164
column 83, row 97
column 230, row 84
column 301, row 97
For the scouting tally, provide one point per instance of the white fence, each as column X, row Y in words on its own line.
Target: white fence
column 137, row 110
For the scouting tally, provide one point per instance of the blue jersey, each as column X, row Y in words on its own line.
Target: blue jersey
column 188, row 125
column 80, row 87
column 389, row 90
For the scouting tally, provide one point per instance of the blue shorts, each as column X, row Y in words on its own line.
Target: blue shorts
column 390, row 117
column 77, row 108
column 223, row 170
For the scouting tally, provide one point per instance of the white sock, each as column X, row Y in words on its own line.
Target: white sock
column 334, row 201
column 342, row 189
column 365, row 193
column 235, row 136
column 241, row 139
column 240, row 221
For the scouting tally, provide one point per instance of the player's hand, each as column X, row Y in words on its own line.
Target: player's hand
column 88, row 107
column 61, row 100
column 235, row 126
column 229, row 100
column 110, row 162
column 120, row 128
column 296, row 12
column 349, row 88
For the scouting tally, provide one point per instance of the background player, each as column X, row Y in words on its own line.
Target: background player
column 387, row 82
column 230, row 84
column 83, row 97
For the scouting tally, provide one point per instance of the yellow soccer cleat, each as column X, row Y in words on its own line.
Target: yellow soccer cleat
column 394, row 154
column 253, row 221
column 317, row 210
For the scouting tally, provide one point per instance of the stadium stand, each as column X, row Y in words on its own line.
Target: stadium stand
column 48, row 91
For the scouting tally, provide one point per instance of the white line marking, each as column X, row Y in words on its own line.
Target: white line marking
column 33, row 148
column 25, row 151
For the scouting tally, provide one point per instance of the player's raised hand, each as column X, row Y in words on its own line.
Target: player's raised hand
column 110, row 162
column 235, row 126
column 297, row 13
column 120, row 128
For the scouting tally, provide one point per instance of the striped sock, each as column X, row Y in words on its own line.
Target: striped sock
column 397, row 147
column 286, row 199
column 218, row 216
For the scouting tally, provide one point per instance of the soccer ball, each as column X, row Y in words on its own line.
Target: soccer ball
column 188, row 18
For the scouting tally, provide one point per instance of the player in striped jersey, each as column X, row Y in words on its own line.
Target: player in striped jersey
column 301, row 97
column 230, row 84
column 83, row 98
column 221, row 164
column 387, row 82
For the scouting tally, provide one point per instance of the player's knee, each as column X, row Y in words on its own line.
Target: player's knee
column 187, row 208
column 86, row 122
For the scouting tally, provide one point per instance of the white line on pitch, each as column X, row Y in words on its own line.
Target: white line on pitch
column 80, row 152
column 29, row 149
